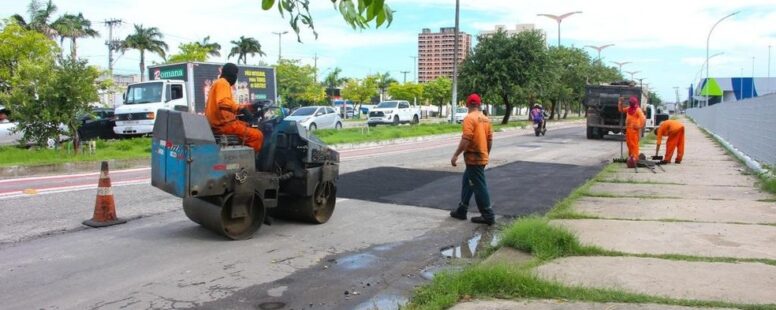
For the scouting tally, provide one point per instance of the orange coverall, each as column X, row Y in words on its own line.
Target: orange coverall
column 221, row 113
column 674, row 130
column 633, row 125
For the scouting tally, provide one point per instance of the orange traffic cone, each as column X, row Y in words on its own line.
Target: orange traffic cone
column 104, row 207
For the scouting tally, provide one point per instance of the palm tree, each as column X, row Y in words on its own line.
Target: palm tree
column 145, row 39
column 39, row 18
column 333, row 79
column 213, row 49
column 383, row 81
column 243, row 47
column 73, row 27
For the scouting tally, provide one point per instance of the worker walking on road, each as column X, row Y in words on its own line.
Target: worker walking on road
column 221, row 110
column 674, row 130
column 634, row 122
column 475, row 145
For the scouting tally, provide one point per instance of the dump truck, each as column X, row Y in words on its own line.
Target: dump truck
column 184, row 87
column 227, row 188
column 603, row 115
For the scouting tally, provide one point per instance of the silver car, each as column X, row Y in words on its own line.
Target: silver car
column 316, row 117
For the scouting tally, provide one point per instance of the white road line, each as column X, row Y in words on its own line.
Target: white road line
column 65, row 189
column 70, row 175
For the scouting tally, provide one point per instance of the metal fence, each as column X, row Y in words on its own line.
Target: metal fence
column 748, row 125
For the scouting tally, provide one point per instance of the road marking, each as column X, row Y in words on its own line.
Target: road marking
column 64, row 176
column 65, row 189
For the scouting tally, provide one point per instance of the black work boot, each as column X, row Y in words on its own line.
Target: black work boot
column 456, row 215
column 482, row 220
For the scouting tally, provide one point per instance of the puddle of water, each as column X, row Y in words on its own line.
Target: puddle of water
column 356, row 261
column 469, row 248
column 386, row 247
column 383, row 302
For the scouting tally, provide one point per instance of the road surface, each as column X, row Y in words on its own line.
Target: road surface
column 390, row 232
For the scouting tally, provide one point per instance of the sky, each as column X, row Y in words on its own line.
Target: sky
column 664, row 40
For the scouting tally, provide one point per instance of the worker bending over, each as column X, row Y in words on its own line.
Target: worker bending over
column 634, row 122
column 221, row 110
column 674, row 130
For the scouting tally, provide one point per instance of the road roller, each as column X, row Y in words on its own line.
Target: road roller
column 227, row 188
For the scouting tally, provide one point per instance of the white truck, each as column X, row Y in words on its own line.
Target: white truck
column 394, row 112
column 184, row 87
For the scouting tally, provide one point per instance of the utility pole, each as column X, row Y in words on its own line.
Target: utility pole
column 676, row 107
column 315, row 66
column 111, row 43
column 415, row 66
column 455, row 62
column 280, row 47
column 405, row 75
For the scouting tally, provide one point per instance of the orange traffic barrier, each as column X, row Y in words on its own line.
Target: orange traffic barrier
column 104, row 207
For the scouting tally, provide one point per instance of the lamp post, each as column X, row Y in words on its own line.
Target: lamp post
column 752, row 96
column 455, row 63
column 769, row 69
column 632, row 73
column 620, row 64
column 415, row 66
column 599, row 49
column 559, row 19
column 279, row 34
column 708, row 38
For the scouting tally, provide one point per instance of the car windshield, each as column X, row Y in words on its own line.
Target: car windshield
column 306, row 111
column 461, row 110
column 144, row 93
column 387, row 105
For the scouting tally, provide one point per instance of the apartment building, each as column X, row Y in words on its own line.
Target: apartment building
column 435, row 52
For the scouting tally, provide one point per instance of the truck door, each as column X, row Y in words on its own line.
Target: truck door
column 175, row 98
column 404, row 108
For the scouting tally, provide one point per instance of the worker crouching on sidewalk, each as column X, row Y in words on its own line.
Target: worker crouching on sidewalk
column 634, row 122
column 221, row 110
column 674, row 130
column 475, row 145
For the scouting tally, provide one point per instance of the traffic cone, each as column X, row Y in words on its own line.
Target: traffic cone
column 104, row 207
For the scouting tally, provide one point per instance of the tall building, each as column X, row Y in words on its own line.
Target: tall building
column 435, row 52
column 518, row 29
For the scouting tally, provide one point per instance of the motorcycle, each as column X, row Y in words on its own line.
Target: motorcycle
column 540, row 128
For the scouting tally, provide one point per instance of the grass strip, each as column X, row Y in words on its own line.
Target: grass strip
column 137, row 148
column 632, row 181
column 500, row 281
column 387, row 132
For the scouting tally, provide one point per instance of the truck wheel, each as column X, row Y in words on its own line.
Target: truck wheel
column 313, row 127
column 591, row 133
column 215, row 213
column 316, row 209
column 338, row 126
column 372, row 125
column 396, row 120
column 415, row 119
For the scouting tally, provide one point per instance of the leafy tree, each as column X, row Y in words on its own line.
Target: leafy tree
column 357, row 13
column 18, row 44
column 45, row 94
column 74, row 27
column 296, row 84
column 39, row 16
column 189, row 52
column 407, row 91
column 505, row 67
column 438, row 91
column 360, row 91
column 145, row 39
column 213, row 49
column 383, row 81
column 654, row 99
column 566, row 78
column 243, row 47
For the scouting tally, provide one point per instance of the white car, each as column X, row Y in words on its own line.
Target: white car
column 394, row 112
column 316, row 117
column 460, row 114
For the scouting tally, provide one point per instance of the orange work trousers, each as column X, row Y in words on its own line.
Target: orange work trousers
column 251, row 137
column 632, row 140
column 675, row 141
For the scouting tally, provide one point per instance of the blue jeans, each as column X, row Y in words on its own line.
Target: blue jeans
column 474, row 184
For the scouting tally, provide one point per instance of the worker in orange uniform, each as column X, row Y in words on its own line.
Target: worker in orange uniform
column 634, row 122
column 674, row 130
column 221, row 110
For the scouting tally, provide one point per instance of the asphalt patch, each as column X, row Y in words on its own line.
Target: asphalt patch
column 516, row 189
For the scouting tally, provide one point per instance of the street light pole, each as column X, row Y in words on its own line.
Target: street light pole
column 599, row 49
column 559, row 19
column 620, row 64
column 415, row 66
column 279, row 34
column 632, row 73
column 708, row 38
column 455, row 62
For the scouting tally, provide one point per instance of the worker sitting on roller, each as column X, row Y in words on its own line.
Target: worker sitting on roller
column 634, row 122
column 675, row 132
column 221, row 110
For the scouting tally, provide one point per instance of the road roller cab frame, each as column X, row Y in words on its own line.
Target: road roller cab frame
column 227, row 189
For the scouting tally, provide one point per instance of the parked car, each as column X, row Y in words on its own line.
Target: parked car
column 316, row 117
column 7, row 127
column 98, row 125
column 394, row 112
column 460, row 114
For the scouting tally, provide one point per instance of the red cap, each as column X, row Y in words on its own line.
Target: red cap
column 633, row 100
column 473, row 100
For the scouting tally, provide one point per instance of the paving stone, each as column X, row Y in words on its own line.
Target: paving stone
column 680, row 191
column 724, row 211
column 500, row 304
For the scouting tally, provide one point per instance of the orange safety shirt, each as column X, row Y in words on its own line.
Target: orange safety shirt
column 668, row 128
column 220, row 108
column 477, row 129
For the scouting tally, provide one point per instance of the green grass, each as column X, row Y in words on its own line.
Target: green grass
column 387, row 132
column 544, row 241
column 116, row 149
column 507, row 282
column 631, row 181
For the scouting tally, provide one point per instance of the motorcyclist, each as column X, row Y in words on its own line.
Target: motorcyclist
column 537, row 115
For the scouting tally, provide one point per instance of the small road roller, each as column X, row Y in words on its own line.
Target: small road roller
column 229, row 189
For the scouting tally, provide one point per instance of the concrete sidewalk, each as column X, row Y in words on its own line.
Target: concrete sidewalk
column 707, row 208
